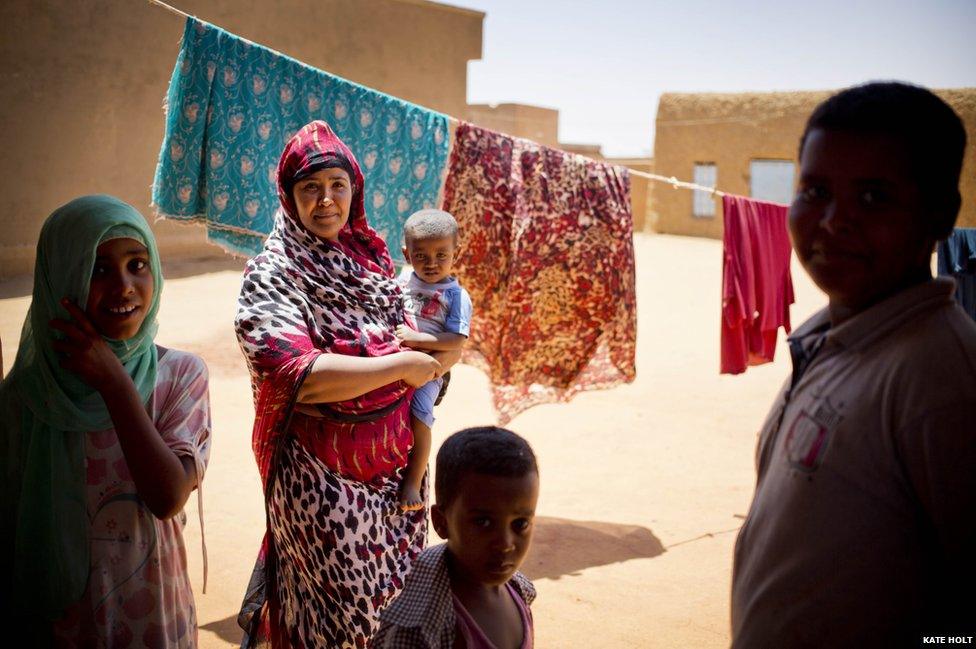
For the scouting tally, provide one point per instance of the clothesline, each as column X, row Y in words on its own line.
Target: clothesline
column 180, row 12
column 674, row 182
column 171, row 9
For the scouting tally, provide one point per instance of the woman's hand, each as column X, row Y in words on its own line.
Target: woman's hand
column 418, row 368
column 85, row 351
column 336, row 377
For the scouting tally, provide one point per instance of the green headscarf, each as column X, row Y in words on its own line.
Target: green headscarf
column 46, row 410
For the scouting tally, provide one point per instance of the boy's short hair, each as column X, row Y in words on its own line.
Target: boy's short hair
column 488, row 450
column 932, row 133
column 430, row 224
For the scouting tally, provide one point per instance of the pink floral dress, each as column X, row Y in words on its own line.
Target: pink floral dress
column 138, row 592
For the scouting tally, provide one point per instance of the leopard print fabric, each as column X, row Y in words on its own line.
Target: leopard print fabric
column 302, row 293
column 338, row 571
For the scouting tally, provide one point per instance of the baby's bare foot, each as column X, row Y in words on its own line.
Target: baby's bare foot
column 410, row 499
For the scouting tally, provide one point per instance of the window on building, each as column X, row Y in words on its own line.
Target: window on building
column 771, row 180
column 706, row 175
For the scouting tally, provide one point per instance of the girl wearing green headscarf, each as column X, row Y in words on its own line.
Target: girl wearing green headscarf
column 103, row 436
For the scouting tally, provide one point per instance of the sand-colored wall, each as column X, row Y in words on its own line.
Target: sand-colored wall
column 730, row 130
column 83, row 81
column 521, row 120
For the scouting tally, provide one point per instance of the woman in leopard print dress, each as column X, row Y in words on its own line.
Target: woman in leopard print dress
column 316, row 321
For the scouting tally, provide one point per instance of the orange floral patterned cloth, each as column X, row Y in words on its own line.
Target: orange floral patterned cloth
column 547, row 255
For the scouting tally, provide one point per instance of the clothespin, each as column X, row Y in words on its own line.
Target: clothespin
column 674, row 182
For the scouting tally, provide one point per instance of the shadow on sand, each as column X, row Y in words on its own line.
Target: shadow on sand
column 560, row 547
column 565, row 547
column 225, row 629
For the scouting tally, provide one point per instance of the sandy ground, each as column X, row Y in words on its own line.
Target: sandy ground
column 643, row 486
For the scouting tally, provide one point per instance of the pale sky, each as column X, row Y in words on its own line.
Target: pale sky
column 604, row 63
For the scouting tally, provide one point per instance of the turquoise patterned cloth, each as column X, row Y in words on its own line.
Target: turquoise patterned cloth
column 232, row 106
